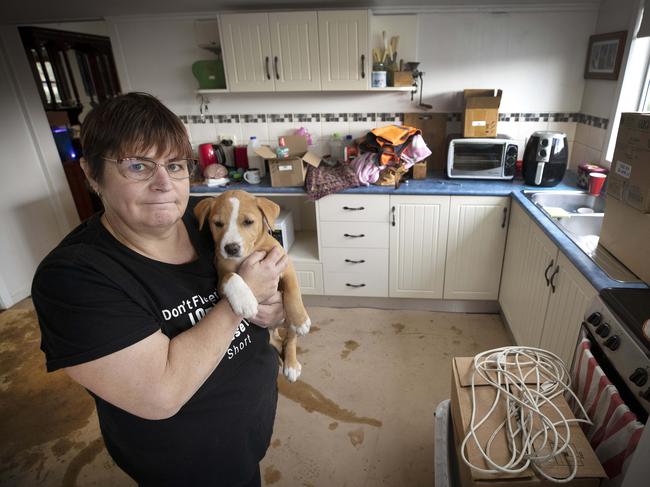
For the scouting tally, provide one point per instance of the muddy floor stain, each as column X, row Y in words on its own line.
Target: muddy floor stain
column 62, row 447
column 83, row 458
column 350, row 346
column 333, row 426
column 301, row 351
column 35, row 407
column 356, row 437
column 398, row 327
column 271, row 475
column 276, row 443
column 313, row 400
column 456, row 330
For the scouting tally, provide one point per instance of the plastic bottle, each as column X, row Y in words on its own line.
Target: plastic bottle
column 282, row 151
column 348, row 144
column 255, row 161
column 336, row 148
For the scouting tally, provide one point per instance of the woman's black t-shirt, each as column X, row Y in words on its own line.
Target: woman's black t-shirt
column 94, row 296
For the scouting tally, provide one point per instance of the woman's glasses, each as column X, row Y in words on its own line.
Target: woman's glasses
column 142, row 168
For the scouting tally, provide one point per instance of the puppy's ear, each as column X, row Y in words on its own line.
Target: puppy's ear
column 269, row 209
column 202, row 209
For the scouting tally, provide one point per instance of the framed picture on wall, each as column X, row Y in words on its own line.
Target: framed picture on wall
column 605, row 54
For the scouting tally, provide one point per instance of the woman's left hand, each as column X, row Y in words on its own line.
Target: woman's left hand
column 270, row 313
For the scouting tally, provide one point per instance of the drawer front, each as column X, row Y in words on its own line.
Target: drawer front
column 354, row 234
column 354, row 261
column 356, row 207
column 351, row 284
column 310, row 277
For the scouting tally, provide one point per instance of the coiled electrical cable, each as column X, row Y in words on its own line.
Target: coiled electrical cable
column 528, row 379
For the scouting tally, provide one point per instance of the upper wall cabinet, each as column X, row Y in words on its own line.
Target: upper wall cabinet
column 271, row 51
column 343, row 39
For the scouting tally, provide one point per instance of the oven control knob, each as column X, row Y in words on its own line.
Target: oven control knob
column 613, row 342
column 639, row 377
column 603, row 330
column 646, row 394
column 595, row 319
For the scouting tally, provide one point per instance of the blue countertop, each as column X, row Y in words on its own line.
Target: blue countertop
column 438, row 184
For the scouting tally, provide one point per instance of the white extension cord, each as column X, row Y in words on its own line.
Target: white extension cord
column 529, row 378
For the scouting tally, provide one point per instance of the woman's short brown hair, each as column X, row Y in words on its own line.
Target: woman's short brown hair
column 131, row 125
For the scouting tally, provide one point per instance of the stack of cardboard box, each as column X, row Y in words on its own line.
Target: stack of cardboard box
column 626, row 227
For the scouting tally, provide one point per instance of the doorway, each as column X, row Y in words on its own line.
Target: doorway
column 73, row 71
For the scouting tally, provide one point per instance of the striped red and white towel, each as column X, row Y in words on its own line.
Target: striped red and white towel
column 616, row 431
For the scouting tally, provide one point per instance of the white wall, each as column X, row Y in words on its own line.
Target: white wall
column 36, row 207
column 536, row 57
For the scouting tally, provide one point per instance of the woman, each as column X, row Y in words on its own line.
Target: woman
column 185, row 389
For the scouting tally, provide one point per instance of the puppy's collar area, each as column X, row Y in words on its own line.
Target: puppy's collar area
column 269, row 230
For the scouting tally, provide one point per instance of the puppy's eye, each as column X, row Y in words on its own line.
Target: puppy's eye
column 218, row 224
column 248, row 222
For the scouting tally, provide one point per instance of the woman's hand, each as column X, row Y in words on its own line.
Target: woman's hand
column 270, row 313
column 262, row 273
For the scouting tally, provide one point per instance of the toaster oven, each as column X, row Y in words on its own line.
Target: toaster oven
column 482, row 158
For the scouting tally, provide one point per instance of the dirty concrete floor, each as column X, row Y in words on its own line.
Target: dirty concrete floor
column 361, row 414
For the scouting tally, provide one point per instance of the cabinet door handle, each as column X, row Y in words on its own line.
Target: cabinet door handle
column 354, row 285
column 363, row 66
column 354, row 209
column 505, row 214
column 552, row 280
column 548, row 281
column 354, row 236
column 392, row 210
column 355, row 261
column 268, row 74
column 275, row 66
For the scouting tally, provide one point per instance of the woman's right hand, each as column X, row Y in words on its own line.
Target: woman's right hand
column 261, row 272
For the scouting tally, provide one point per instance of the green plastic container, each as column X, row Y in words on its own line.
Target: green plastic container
column 210, row 74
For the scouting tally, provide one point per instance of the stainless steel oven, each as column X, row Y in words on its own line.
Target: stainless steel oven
column 617, row 331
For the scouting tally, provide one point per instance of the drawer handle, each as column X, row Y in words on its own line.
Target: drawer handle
column 354, row 285
column 354, row 236
column 392, row 211
column 268, row 75
column 353, row 209
column 355, row 261
column 548, row 281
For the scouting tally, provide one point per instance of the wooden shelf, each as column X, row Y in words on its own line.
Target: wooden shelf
column 214, row 91
column 394, row 88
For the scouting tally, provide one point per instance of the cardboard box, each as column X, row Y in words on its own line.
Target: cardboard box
column 400, row 78
column 626, row 233
column 590, row 471
column 629, row 177
column 481, row 112
column 290, row 171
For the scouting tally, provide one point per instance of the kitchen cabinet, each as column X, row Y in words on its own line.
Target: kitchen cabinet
column 343, row 41
column 418, row 244
column 543, row 296
column 271, row 51
column 353, row 234
column 477, row 235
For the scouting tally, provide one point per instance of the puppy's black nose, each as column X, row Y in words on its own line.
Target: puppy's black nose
column 232, row 248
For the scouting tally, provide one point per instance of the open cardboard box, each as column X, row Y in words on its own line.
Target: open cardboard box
column 481, row 112
column 590, row 472
column 290, row 171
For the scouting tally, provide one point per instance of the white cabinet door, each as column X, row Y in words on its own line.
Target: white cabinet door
column 540, row 259
column 477, row 235
column 294, row 45
column 571, row 293
column 343, row 40
column 514, row 261
column 246, row 47
column 418, row 241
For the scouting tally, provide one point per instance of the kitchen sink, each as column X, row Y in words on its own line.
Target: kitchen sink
column 580, row 216
column 569, row 201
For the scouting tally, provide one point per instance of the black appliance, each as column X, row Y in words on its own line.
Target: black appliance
column 545, row 158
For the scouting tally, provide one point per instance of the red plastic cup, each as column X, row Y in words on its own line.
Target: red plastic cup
column 596, row 182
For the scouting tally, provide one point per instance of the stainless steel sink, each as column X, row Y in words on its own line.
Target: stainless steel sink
column 570, row 201
column 580, row 216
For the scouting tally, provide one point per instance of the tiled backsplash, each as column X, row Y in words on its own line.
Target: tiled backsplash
column 268, row 127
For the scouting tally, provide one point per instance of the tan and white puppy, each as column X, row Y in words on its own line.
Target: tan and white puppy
column 240, row 225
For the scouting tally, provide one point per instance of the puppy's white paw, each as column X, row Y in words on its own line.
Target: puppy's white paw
column 241, row 297
column 292, row 373
column 302, row 329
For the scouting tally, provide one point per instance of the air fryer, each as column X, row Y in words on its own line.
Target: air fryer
column 545, row 159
